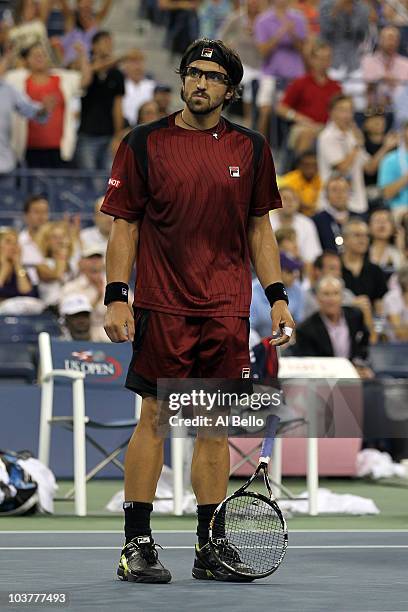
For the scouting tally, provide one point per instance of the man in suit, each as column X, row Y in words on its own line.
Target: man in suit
column 329, row 221
column 334, row 330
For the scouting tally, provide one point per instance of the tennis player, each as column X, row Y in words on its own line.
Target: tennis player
column 190, row 195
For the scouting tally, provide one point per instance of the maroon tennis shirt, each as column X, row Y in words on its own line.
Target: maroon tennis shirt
column 193, row 192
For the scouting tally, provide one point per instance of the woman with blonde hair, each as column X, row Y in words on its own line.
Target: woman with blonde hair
column 14, row 280
column 57, row 244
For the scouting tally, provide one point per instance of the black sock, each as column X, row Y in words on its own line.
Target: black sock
column 137, row 519
column 204, row 515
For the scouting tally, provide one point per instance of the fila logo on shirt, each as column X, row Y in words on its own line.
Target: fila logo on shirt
column 207, row 52
column 114, row 182
column 234, row 171
column 246, row 373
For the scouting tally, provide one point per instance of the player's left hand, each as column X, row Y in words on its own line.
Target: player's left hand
column 283, row 324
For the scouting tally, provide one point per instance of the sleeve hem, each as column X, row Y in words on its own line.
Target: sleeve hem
column 260, row 212
column 116, row 212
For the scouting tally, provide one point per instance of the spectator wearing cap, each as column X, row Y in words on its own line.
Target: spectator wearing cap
column 306, row 234
column 36, row 212
column 335, row 330
column 393, row 174
column 101, row 110
column 305, row 103
column 91, row 284
column 305, row 181
column 97, row 234
column 329, row 222
column 260, row 318
column 75, row 310
column 385, row 69
column 162, row 96
column 138, row 87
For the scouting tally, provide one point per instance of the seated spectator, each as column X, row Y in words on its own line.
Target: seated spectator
column 238, row 33
column 361, row 276
column 377, row 143
column 14, row 280
column 35, row 216
column 91, row 282
column 393, row 174
column 344, row 24
column 396, row 307
column 101, row 110
column 162, row 96
column 335, row 330
column 340, row 148
column 138, row 87
column 49, row 145
column 148, row 112
column 58, row 266
column 75, row 310
column 279, row 33
column 306, row 234
column 382, row 251
column 306, row 100
column 327, row 264
column 329, row 222
column 305, row 181
column 287, row 241
column 81, row 25
column 384, row 69
column 98, row 234
column 260, row 316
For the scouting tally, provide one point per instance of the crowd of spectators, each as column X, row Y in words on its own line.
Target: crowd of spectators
column 325, row 81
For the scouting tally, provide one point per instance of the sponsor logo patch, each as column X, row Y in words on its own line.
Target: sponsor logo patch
column 234, row 171
column 246, row 373
column 207, row 52
column 114, row 182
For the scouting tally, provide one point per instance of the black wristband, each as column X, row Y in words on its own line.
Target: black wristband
column 275, row 292
column 116, row 292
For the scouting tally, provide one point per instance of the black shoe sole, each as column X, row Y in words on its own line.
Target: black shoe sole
column 201, row 574
column 143, row 579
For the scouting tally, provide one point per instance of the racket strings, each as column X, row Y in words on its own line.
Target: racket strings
column 254, row 532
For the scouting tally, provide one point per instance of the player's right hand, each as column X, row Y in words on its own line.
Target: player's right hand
column 119, row 322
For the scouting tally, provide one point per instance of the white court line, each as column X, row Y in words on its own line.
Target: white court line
column 340, row 547
column 120, row 531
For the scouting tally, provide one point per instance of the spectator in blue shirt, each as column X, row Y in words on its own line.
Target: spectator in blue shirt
column 260, row 316
column 393, row 173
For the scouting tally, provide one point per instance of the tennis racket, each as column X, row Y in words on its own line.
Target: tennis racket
column 248, row 533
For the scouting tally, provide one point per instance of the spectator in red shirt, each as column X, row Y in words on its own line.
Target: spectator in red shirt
column 306, row 100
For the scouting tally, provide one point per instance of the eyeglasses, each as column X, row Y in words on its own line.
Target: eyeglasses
column 212, row 76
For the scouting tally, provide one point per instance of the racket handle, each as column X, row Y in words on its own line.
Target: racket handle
column 272, row 423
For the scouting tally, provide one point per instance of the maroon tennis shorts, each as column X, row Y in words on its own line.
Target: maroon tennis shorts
column 177, row 346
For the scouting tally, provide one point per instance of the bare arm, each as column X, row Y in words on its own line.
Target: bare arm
column 117, row 114
column 120, row 259
column 266, row 48
column 264, row 253
column 290, row 114
column 103, row 11
column 393, row 189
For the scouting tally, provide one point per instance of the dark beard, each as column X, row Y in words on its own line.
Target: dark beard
column 203, row 111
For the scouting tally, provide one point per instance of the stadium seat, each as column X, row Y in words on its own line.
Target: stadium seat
column 16, row 363
column 25, row 328
column 390, row 359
